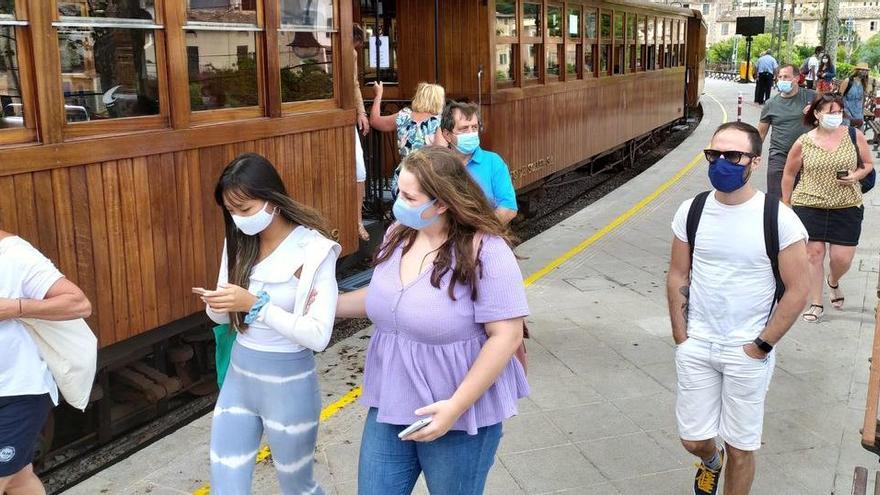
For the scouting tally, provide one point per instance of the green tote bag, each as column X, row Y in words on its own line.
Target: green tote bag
column 224, row 337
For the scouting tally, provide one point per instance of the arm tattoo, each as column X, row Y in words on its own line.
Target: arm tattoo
column 685, row 291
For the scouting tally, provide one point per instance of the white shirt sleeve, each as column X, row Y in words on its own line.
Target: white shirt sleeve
column 313, row 329
column 791, row 229
column 222, row 278
column 679, row 221
column 38, row 273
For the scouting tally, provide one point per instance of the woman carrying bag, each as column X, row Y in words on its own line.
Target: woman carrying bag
column 30, row 288
column 277, row 252
column 448, row 302
column 831, row 160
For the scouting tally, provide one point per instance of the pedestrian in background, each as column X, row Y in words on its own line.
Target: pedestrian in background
column 30, row 287
column 784, row 113
column 854, row 90
column 766, row 68
column 276, row 253
column 448, row 301
column 828, row 196
column 363, row 125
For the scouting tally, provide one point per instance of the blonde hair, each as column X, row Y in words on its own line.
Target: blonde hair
column 429, row 98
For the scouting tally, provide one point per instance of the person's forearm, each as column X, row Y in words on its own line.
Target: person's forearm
column 493, row 358
column 787, row 311
column 677, row 296
column 352, row 304
column 59, row 308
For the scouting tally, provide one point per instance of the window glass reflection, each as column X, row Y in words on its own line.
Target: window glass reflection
column 7, row 7
column 505, row 18
column 552, row 58
column 554, row 21
column 589, row 57
column 306, row 65
column 120, row 9
column 308, row 14
column 571, row 60
column 574, row 23
column 224, row 11
column 531, row 66
column 532, row 20
column 504, row 64
column 222, row 69
column 606, row 26
column 108, row 73
column 590, row 22
column 11, row 103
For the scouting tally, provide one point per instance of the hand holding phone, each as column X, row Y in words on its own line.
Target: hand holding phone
column 841, row 174
column 418, row 425
column 200, row 291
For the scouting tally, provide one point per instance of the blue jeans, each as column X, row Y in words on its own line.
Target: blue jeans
column 454, row 464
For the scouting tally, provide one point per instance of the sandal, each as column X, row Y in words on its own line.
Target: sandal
column 836, row 302
column 812, row 316
column 362, row 233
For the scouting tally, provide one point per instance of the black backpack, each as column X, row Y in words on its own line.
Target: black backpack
column 771, row 235
column 867, row 181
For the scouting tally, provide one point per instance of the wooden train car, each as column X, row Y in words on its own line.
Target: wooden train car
column 558, row 82
column 117, row 116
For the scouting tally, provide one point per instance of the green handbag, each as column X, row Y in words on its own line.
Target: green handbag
column 224, row 338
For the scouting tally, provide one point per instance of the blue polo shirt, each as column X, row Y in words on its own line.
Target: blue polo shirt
column 490, row 172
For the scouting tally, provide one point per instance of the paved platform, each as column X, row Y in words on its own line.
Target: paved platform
column 600, row 419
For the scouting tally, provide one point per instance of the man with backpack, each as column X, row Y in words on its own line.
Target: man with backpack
column 737, row 281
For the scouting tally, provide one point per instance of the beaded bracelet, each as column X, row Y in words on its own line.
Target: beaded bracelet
column 262, row 300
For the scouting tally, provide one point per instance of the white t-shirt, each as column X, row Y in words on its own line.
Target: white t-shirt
column 812, row 68
column 276, row 274
column 24, row 273
column 732, row 284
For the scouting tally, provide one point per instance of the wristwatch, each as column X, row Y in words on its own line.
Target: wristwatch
column 764, row 346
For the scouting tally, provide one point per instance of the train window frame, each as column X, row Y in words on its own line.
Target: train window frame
column 631, row 22
column 20, row 24
column 514, row 58
column 618, row 35
column 606, row 44
column 531, row 41
column 121, row 125
column 682, row 42
column 261, row 34
column 641, row 36
column 291, row 107
column 591, row 44
column 651, row 43
column 554, row 46
column 574, row 40
column 667, row 43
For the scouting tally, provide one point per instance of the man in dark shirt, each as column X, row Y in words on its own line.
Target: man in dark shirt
column 785, row 113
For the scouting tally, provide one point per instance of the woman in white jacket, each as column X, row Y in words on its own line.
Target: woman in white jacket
column 276, row 253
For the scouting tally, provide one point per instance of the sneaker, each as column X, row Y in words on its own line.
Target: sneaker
column 706, row 480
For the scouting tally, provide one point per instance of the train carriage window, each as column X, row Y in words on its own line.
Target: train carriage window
column 659, row 42
column 650, row 44
column 573, row 44
column 505, row 18
column 306, row 40
column 632, row 47
column 379, row 20
column 605, row 53
column 16, row 114
column 505, row 64
column 681, row 43
column 555, row 50
column 619, row 47
column 532, row 47
column 640, row 43
column 667, row 41
column 109, row 59
column 227, row 76
column 591, row 46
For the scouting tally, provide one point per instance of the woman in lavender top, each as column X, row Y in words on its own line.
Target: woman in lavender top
column 447, row 326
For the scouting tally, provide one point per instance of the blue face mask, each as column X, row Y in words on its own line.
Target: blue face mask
column 467, row 143
column 727, row 176
column 411, row 216
column 783, row 86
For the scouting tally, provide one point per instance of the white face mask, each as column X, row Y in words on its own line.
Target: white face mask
column 831, row 120
column 255, row 223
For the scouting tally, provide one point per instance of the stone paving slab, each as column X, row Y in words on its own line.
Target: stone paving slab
column 600, row 419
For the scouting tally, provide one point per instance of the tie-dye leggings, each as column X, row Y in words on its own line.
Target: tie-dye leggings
column 275, row 392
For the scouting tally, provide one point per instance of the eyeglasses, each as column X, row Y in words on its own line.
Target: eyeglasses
column 733, row 156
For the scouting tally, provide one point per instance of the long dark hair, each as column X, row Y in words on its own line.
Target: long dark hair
column 251, row 176
column 820, row 104
column 442, row 176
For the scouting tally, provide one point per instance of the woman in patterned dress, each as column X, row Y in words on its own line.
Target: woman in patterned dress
column 828, row 196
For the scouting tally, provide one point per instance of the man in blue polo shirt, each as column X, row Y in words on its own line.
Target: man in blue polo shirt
column 461, row 129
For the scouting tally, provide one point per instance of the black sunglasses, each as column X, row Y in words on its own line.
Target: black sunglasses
column 734, row 156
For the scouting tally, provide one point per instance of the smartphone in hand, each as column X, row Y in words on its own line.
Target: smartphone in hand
column 418, row 425
column 200, row 291
column 841, row 174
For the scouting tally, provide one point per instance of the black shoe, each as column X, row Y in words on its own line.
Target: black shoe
column 706, row 480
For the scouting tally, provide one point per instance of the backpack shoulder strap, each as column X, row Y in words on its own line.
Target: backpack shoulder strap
column 693, row 219
column 855, row 142
column 771, row 241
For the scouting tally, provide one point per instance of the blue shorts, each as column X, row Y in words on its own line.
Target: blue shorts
column 21, row 420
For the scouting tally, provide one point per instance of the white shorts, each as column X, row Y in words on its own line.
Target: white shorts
column 721, row 391
column 360, row 168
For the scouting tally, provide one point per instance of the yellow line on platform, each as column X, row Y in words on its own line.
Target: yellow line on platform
column 354, row 393
column 549, row 267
